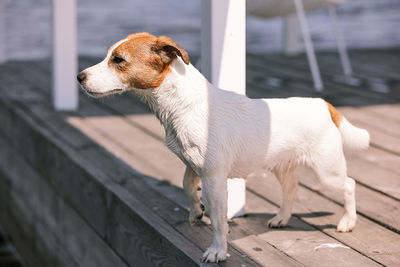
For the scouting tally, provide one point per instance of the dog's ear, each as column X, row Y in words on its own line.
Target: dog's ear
column 169, row 50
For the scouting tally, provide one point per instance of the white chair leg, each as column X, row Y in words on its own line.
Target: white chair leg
column 291, row 41
column 309, row 46
column 344, row 57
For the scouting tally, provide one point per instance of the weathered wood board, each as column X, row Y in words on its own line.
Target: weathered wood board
column 125, row 127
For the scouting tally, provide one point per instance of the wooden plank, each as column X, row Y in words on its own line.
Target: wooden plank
column 385, row 175
column 384, row 234
column 376, row 169
column 388, row 145
column 172, row 213
column 388, row 112
column 369, row 194
column 330, row 74
column 45, row 211
column 156, row 150
column 70, row 178
column 124, row 126
column 382, row 137
column 22, row 90
column 245, row 235
column 367, row 65
column 11, row 77
column 367, row 73
column 263, row 227
column 298, row 240
column 70, row 168
column 281, row 67
column 380, row 159
column 375, row 120
column 139, row 150
column 159, row 134
column 167, row 171
column 13, row 220
column 136, row 112
column 368, row 238
column 293, row 87
column 309, row 249
column 255, row 248
column 127, row 104
column 370, row 203
column 233, row 258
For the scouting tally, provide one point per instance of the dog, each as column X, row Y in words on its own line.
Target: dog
column 219, row 134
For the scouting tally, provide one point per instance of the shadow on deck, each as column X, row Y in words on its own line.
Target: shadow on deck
column 62, row 192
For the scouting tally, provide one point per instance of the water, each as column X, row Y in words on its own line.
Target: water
column 366, row 24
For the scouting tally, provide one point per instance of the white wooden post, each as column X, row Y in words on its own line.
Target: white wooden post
column 291, row 40
column 223, row 63
column 3, row 57
column 223, row 53
column 65, row 58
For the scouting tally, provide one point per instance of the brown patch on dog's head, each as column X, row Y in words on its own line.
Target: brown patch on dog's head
column 335, row 115
column 143, row 60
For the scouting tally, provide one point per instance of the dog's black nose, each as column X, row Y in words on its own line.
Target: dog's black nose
column 81, row 77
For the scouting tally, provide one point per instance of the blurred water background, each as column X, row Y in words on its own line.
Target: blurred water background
column 366, row 24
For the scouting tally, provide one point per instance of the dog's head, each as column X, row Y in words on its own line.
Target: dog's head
column 140, row 61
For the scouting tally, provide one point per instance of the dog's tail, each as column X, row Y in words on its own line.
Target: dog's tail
column 354, row 138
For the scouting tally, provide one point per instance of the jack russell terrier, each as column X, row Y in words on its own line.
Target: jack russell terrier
column 219, row 134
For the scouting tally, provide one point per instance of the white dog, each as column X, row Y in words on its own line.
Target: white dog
column 220, row 134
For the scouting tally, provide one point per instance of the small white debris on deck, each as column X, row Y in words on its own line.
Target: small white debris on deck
column 331, row 245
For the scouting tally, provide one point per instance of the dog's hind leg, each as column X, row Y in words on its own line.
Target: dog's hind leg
column 289, row 184
column 348, row 220
column 191, row 187
column 331, row 170
column 345, row 185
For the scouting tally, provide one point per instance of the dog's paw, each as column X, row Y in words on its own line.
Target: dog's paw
column 214, row 254
column 196, row 214
column 346, row 224
column 278, row 221
column 206, row 220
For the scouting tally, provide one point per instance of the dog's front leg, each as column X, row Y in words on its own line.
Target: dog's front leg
column 215, row 193
column 191, row 185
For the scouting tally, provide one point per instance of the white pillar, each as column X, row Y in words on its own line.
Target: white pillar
column 290, row 33
column 3, row 57
column 223, row 53
column 65, row 58
column 223, row 63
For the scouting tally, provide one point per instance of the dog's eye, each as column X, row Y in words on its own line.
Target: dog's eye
column 117, row 60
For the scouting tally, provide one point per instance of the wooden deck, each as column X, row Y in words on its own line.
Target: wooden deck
column 125, row 127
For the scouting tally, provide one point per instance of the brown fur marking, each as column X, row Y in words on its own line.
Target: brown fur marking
column 147, row 60
column 335, row 115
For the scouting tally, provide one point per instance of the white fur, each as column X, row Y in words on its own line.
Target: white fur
column 353, row 138
column 101, row 80
column 220, row 134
